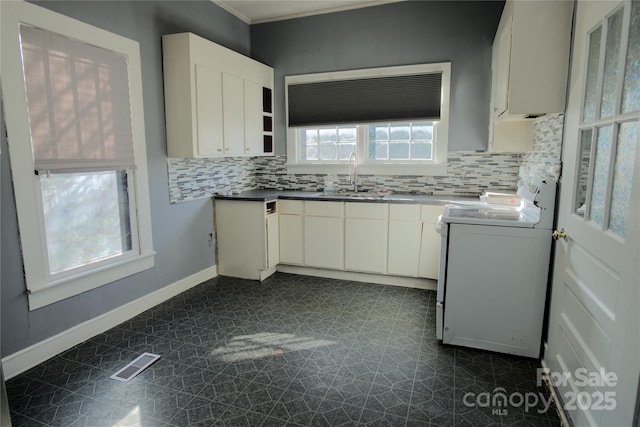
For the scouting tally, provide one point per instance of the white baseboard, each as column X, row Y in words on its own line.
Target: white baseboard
column 29, row 357
column 381, row 279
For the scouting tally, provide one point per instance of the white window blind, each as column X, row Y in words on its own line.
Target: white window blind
column 78, row 103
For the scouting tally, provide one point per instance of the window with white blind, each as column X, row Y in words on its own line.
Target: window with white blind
column 394, row 120
column 78, row 156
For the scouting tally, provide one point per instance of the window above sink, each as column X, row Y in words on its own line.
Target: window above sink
column 323, row 131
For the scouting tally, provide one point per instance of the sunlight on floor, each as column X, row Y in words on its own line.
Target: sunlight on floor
column 254, row 346
column 131, row 420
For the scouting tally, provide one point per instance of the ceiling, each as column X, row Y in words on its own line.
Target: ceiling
column 259, row 11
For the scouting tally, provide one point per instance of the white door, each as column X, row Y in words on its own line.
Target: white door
column 593, row 340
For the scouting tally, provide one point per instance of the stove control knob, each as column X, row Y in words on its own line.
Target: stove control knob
column 559, row 235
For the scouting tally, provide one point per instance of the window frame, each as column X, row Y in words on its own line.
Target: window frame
column 42, row 289
column 435, row 166
column 61, row 276
column 298, row 137
column 412, row 123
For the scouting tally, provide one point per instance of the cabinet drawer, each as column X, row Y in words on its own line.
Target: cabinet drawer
column 430, row 213
column 329, row 209
column 367, row 210
column 291, row 207
column 404, row 212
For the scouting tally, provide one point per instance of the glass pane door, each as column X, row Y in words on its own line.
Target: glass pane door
column 609, row 128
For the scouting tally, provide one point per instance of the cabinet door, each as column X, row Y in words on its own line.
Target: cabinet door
column 253, row 122
column 233, row 114
column 404, row 247
column 501, row 73
column 209, row 111
column 273, row 238
column 366, row 245
column 324, row 242
column 291, row 238
column 429, row 251
column 241, row 235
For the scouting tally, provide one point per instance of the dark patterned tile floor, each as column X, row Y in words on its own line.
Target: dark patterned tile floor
column 290, row 351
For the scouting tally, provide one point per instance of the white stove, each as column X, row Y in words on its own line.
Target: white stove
column 535, row 210
column 494, row 264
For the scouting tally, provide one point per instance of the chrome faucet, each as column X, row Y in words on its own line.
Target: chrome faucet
column 353, row 171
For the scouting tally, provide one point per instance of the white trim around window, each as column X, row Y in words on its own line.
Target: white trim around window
column 435, row 166
column 42, row 288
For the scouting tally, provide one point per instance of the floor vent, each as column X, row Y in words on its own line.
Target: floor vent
column 134, row 368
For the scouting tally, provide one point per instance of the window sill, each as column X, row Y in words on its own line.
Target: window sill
column 74, row 285
column 390, row 169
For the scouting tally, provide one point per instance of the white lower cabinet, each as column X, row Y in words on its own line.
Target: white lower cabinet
column 291, row 245
column 273, row 240
column 291, row 231
column 429, row 252
column 429, row 242
column 405, row 229
column 247, row 238
column 366, row 237
column 324, row 234
column 365, row 245
column 381, row 238
column 324, row 242
column 404, row 247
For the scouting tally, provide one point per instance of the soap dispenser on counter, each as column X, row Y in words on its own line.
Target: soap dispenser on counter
column 329, row 183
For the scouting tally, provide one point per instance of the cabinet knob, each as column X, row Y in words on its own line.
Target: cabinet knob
column 219, row 149
column 247, row 149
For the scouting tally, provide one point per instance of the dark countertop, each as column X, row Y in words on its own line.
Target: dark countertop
column 269, row 195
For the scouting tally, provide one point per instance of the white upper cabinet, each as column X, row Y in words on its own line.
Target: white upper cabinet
column 529, row 69
column 217, row 101
column 501, row 66
column 254, row 119
column 208, row 140
column 233, row 115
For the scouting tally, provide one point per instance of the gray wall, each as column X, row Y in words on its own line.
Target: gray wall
column 402, row 33
column 179, row 231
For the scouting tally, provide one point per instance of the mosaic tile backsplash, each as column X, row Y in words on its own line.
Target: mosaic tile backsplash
column 468, row 173
column 481, row 171
column 191, row 179
column 544, row 158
